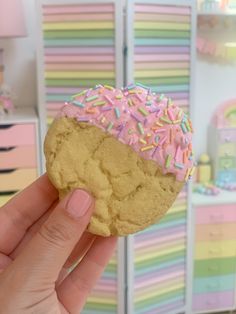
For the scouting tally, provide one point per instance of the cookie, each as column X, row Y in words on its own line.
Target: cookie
column 129, row 148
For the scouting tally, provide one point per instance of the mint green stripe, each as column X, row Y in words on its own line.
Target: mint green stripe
column 169, row 80
column 79, row 34
column 78, row 42
column 161, row 42
column 172, row 217
column 161, row 34
column 160, row 298
column 78, row 83
column 104, row 308
column 213, row 284
column 160, row 259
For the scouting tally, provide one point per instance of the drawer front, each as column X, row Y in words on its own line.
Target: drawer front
column 214, row 284
column 205, row 250
column 215, row 232
column 227, row 150
column 17, row 179
column 18, row 157
column 226, row 176
column 227, row 136
column 17, row 135
column 214, row 267
column 216, row 214
column 212, row 301
column 227, row 163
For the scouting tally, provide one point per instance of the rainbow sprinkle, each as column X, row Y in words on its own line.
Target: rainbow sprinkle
column 140, row 127
column 91, row 98
column 99, row 103
column 143, row 111
column 168, row 161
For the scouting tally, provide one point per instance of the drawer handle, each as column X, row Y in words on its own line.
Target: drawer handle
column 216, row 233
column 213, row 285
column 7, row 149
column 211, row 302
column 5, row 126
column 7, row 171
column 213, row 268
column 215, row 251
column 217, row 216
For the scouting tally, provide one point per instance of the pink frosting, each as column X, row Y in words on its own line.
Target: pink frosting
column 151, row 124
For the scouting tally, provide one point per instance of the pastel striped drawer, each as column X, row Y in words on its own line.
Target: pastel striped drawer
column 17, row 135
column 216, row 214
column 18, row 157
column 17, row 179
column 205, row 250
column 215, row 232
column 214, row 284
column 213, row 301
column 214, row 267
column 227, row 149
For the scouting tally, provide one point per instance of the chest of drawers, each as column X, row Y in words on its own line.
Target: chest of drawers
column 214, row 254
column 19, row 162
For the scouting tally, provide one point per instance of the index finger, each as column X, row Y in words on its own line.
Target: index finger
column 23, row 210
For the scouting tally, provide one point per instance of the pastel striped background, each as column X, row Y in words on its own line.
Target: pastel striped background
column 162, row 47
column 162, row 58
column 79, row 50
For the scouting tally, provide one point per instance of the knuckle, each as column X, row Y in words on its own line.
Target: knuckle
column 56, row 234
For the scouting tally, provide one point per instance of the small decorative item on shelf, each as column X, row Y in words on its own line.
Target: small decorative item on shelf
column 204, row 169
column 207, row 189
column 6, row 104
column 222, row 145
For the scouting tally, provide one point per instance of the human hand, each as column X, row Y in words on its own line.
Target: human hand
column 40, row 239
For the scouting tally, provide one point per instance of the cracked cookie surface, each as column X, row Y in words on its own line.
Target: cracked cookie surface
column 130, row 192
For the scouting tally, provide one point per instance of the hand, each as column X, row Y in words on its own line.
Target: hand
column 40, row 239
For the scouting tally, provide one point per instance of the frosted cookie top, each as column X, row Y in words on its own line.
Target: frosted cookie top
column 151, row 124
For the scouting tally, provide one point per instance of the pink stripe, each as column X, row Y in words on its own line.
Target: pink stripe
column 72, row 9
column 81, row 66
column 80, row 50
column 73, row 59
column 54, row 105
column 217, row 300
column 179, row 96
column 158, row 273
column 63, row 90
column 78, row 17
column 162, row 65
column 182, row 102
column 159, row 279
column 176, row 306
column 161, row 57
column 155, row 241
column 159, row 233
column 162, row 9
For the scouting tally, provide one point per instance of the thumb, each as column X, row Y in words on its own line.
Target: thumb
column 47, row 252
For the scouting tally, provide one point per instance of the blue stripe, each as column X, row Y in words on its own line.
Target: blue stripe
column 161, row 42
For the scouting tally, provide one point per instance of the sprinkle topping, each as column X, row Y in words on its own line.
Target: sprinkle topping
column 151, row 124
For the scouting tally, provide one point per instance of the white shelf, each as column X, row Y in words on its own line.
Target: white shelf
column 18, row 115
column 225, row 197
column 233, row 14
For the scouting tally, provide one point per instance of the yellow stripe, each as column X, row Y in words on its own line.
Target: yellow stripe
column 207, row 250
column 159, row 291
column 79, row 75
column 78, row 26
column 163, row 26
column 101, row 300
column 177, row 208
column 151, row 255
column 162, row 73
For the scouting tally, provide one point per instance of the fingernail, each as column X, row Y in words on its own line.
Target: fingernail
column 79, row 203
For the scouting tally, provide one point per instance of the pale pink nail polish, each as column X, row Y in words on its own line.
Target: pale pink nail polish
column 79, row 203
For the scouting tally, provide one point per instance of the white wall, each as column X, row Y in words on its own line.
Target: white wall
column 215, row 82
column 19, row 60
